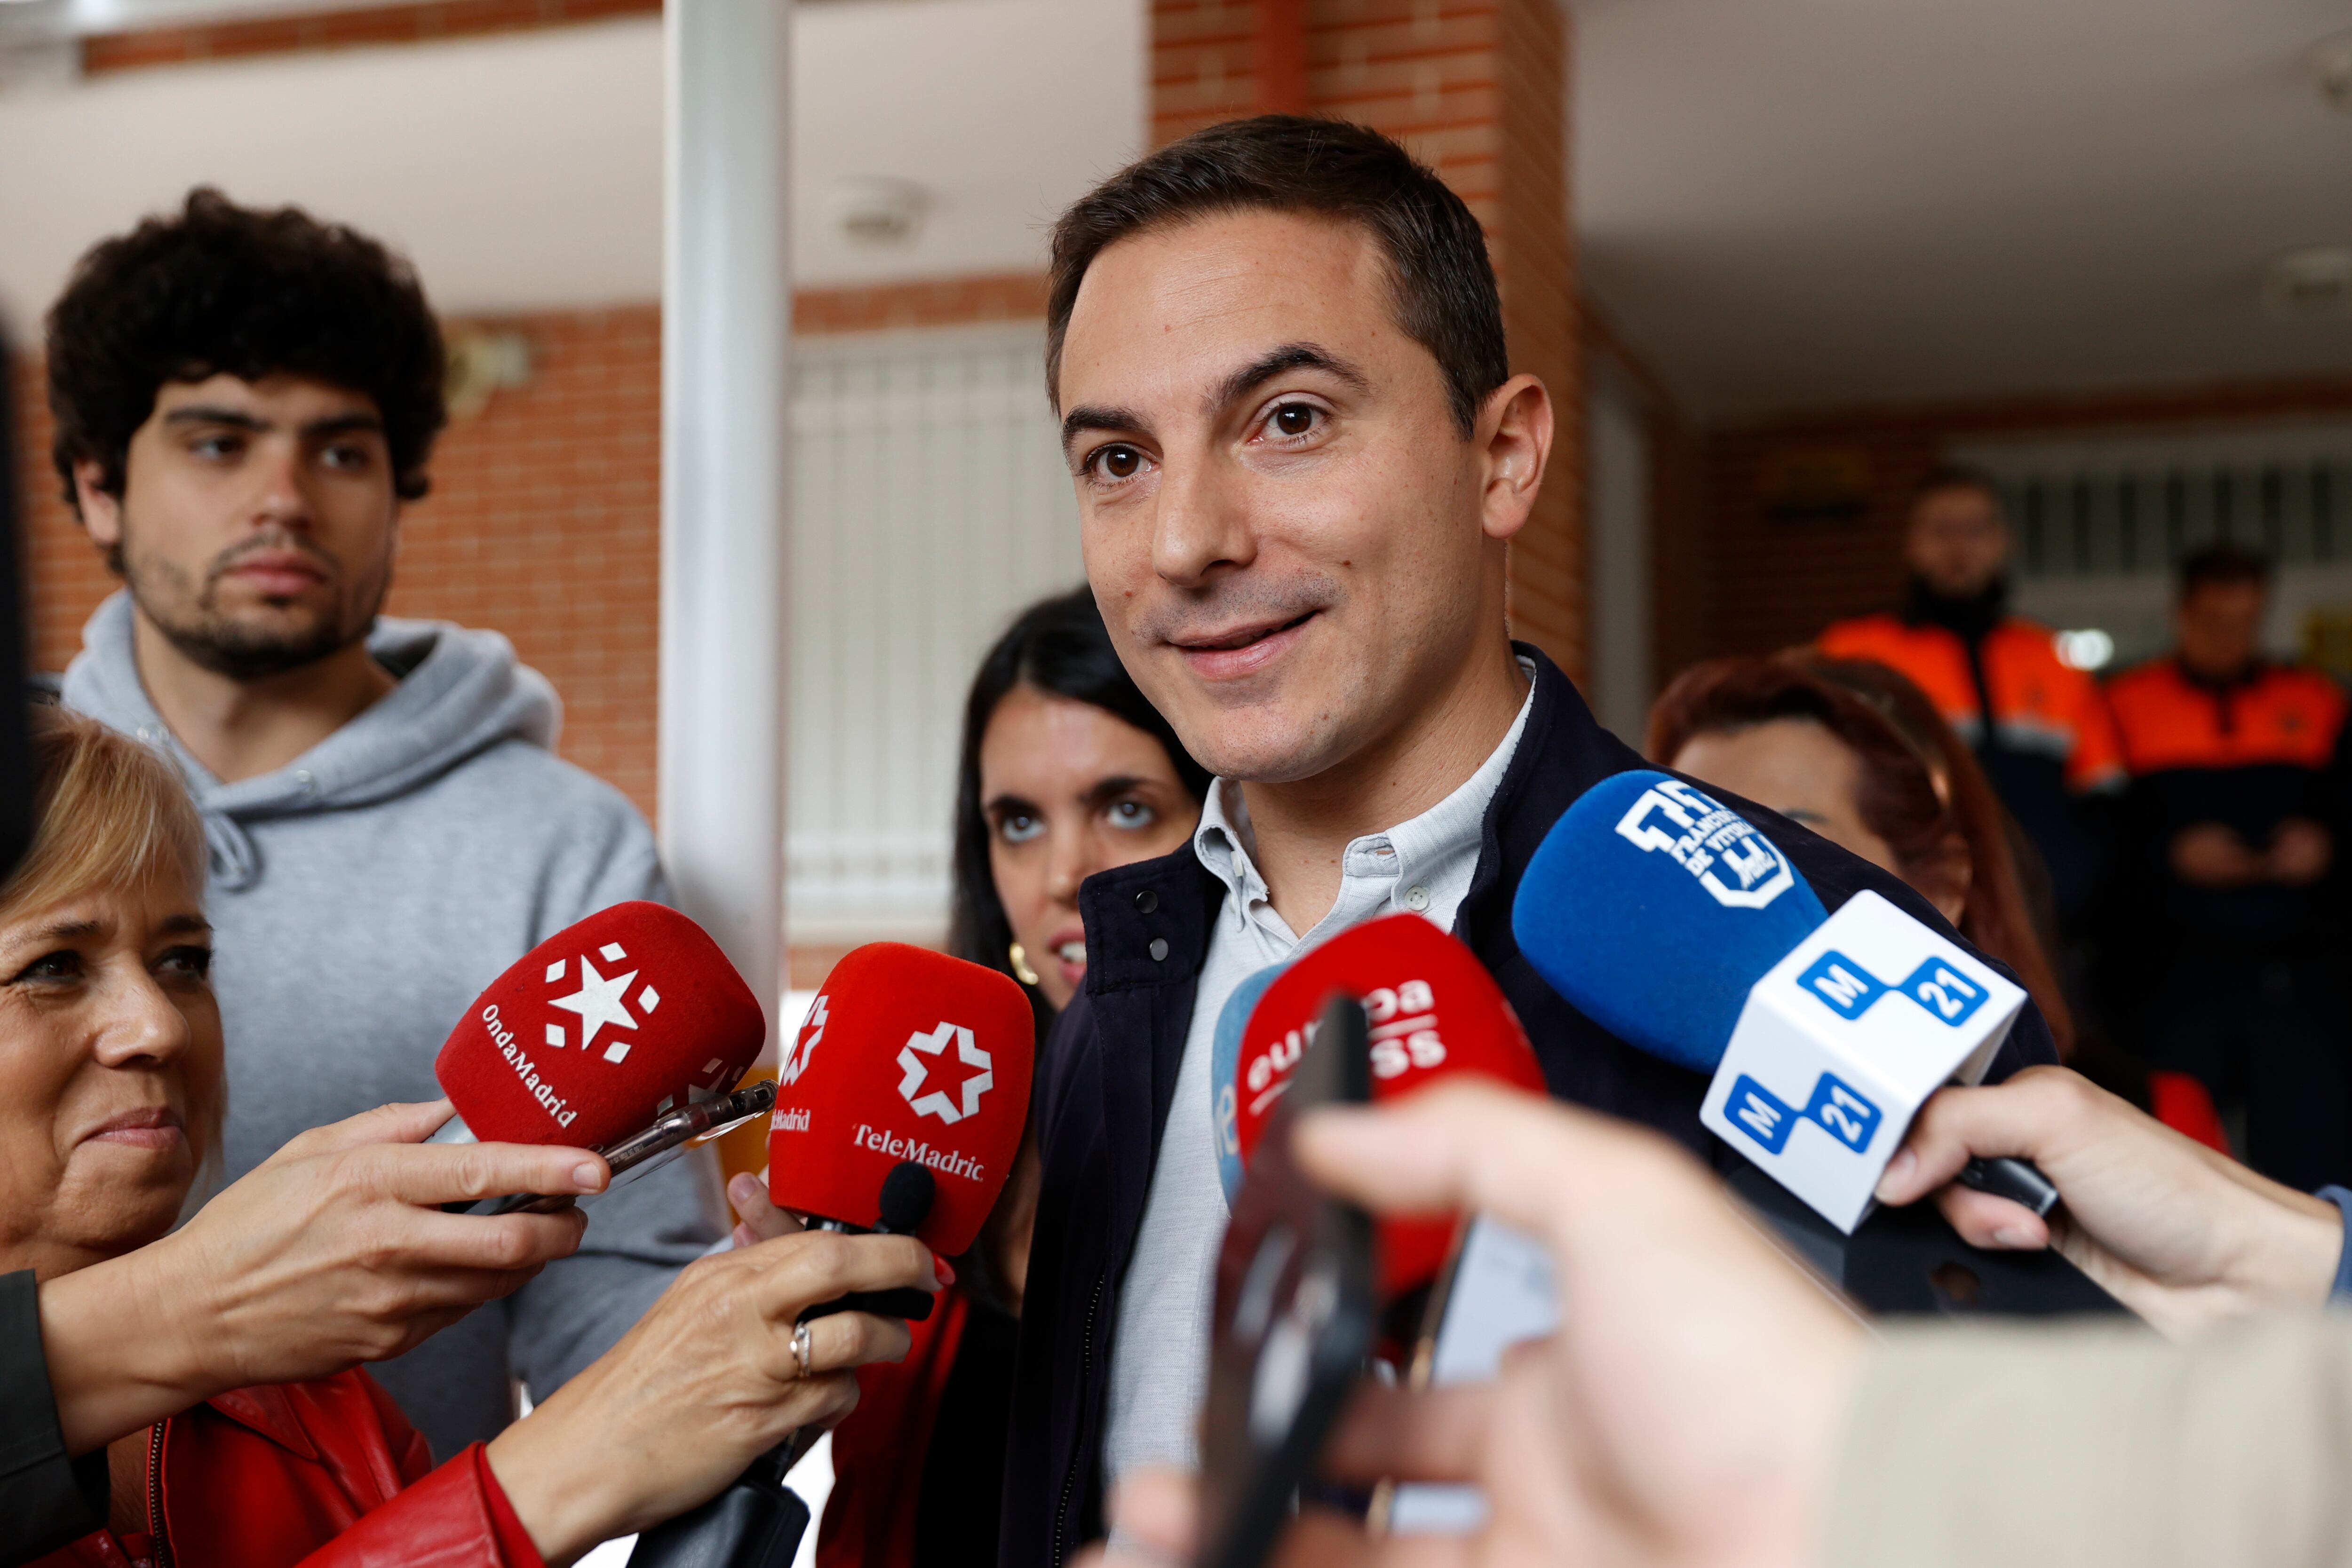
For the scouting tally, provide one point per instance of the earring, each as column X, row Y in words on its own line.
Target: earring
column 1020, row 969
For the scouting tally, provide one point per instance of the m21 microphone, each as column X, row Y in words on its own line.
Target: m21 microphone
column 911, row 1062
column 1432, row 1011
column 1672, row 922
column 618, row 1021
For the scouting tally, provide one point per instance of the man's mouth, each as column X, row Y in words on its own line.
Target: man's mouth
column 276, row 572
column 1247, row 636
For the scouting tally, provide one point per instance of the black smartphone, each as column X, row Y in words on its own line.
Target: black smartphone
column 1297, row 1311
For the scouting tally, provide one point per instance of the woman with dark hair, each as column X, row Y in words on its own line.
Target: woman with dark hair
column 1066, row 771
column 1856, row 753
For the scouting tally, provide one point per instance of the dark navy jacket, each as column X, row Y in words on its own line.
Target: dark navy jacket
column 1109, row 1073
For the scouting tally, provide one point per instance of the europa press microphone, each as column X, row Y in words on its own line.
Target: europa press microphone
column 898, row 1108
column 1670, row 921
column 623, row 1033
column 1432, row 1011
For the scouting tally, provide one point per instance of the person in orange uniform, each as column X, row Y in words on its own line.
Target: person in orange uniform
column 2050, row 743
column 2228, row 837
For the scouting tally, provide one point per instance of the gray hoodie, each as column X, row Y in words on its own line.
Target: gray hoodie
column 362, row 896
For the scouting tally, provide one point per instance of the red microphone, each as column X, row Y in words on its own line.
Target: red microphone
column 1433, row 1010
column 597, row 1031
column 908, row 1058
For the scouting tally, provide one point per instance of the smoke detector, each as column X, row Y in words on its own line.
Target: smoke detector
column 877, row 211
column 2331, row 67
column 2305, row 284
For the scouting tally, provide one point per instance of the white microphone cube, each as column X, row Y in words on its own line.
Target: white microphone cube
column 1842, row 1041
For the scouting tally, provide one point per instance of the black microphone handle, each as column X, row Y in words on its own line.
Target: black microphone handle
column 2020, row 1181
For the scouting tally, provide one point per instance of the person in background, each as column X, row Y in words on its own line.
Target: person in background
column 2229, row 839
column 244, row 1448
column 1066, row 770
column 244, row 402
column 2038, row 725
column 1855, row 753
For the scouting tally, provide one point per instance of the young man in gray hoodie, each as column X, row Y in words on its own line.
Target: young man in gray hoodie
column 244, row 402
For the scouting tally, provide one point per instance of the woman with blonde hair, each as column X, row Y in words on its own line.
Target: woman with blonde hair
column 207, row 1405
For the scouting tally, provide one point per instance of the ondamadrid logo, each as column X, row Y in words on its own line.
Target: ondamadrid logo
column 938, row 1101
column 600, row 1002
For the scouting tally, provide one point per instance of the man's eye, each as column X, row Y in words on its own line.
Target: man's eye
column 1132, row 814
column 1118, row 461
column 352, row 458
column 1295, row 419
column 1020, row 828
column 215, row 446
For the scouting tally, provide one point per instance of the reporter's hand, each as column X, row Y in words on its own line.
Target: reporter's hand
column 704, row 1384
column 2185, row 1237
column 332, row 1252
column 757, row 1219
column 1685, row 1411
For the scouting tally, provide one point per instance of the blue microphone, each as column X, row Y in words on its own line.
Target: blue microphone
column 1224, row 1070
column 1673, row 922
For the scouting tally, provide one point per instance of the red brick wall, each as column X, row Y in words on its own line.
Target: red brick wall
column 349, row 26
column 1767, row 584
column 1478, row 90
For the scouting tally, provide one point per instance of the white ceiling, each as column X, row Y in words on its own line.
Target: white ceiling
column 523, row 171
column 1794, row 202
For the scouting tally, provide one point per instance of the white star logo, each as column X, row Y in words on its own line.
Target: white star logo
column 600, row 1001
column 812, row 1030
column 936, row 1102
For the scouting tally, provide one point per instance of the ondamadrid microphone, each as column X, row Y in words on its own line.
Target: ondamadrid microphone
column 1433, row 1012
column 598, row 1030
column 907, row 1057
column 1670, row 920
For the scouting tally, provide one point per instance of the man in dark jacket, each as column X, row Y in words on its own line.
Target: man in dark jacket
column 1277, row 352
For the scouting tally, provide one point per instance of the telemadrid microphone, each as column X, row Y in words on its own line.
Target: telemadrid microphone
column 630, row 1017
column 1431, row 1010
column 912, row 1067
column 1670, row 921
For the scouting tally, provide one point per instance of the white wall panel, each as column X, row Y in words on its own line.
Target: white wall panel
column 930, row 505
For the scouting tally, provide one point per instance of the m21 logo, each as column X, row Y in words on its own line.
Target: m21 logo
column 1836, row 1107
column 1848, row 989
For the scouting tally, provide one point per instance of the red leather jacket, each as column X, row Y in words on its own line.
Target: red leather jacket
column 325, row 1475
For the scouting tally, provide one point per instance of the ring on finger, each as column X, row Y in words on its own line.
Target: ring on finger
column 801, row 1350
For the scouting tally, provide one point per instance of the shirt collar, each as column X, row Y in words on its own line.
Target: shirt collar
column 1223, row 842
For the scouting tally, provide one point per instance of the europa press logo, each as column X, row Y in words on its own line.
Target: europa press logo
column 600, row 1002
column 1738, row 866
column 942, row 1103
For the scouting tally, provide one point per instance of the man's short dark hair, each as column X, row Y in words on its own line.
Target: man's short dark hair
column 1443, row 285
column 2222, row 565
column 220, row 289
column 1945, row 477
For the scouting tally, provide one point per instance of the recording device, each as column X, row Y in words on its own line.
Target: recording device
column 899, row 1110
column 1432, row 1011
column 623, row 1033
column 1295, row 1313
column 1825, row 1033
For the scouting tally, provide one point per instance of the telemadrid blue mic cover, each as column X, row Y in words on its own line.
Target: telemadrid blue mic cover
column 1224, row 1070
column 1653, row 908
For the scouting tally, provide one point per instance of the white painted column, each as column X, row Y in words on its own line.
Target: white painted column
column 726, row 441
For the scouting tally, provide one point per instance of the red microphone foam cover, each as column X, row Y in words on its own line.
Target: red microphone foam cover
column 1436, row 1012
column 599, row 1030
column 906, row 1054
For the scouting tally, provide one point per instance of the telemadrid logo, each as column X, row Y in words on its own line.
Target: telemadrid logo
column 803, row 1049
column 938, row 1102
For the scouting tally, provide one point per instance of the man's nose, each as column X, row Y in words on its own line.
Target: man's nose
column 281, row 484
column 1202, row 521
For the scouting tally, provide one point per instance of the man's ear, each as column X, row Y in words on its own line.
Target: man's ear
column 101, row 512
column 1514, row 441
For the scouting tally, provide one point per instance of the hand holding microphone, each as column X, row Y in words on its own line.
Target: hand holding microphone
column 2185, row 1237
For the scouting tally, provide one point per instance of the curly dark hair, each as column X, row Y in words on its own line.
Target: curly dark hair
column 216, row 288
column 1441, row 281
